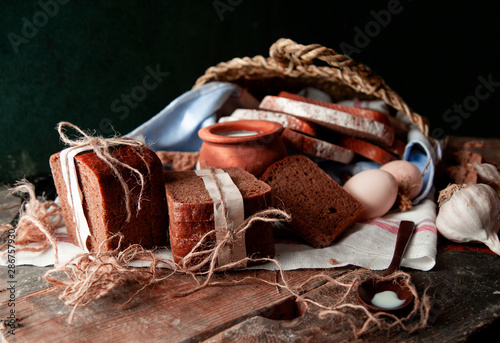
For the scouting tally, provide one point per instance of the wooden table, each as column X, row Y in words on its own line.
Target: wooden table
column 464, row 288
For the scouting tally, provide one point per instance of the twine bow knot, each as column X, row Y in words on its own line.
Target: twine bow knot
column 101, row 147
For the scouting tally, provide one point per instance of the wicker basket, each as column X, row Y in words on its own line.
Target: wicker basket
column 290, row 67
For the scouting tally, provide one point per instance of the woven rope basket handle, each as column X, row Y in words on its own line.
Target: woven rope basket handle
column 295, row 60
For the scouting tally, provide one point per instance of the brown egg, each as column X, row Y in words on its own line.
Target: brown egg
column 408, row 175
column 376, row 189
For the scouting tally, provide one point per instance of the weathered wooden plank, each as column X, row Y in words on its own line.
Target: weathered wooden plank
column 152, row 315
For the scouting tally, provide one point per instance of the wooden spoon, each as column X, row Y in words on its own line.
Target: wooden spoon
column 370, row 287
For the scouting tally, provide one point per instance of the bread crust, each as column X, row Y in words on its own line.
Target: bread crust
column 103, row 199
column 361, row 112
column 316, row 147
column 366, row 149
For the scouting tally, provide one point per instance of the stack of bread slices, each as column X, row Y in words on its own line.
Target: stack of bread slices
column 330, row 131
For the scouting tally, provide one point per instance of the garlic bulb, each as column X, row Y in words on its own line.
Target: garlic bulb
column 470, row 213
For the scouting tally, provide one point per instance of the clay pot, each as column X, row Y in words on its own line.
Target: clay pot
column 249, row 144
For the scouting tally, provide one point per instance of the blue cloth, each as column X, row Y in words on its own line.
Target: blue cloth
column 420, row 152
column 175, row 128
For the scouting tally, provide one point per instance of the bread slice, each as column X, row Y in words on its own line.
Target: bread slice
column 360, row 112
column 103, row 199
column 191, row 211
column 321, row 209
column 316, row 147
column 397, row 148
column 398, row 145
column 341, row 122
column 366, row 149
column 288, row 121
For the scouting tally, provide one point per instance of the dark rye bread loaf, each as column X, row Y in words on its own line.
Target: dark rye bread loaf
column 103, row 199
column 321, row 209
column 191, row 211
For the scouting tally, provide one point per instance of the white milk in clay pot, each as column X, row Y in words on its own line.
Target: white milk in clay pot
column 238, row 133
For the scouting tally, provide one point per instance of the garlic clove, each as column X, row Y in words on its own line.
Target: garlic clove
column 493, row 243
column 470, row 213
column 488, row 174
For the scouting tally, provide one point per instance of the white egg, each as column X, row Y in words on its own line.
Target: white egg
column 376, row 189
column 408, row 175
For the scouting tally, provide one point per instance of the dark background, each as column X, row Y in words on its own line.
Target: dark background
column 81, row 56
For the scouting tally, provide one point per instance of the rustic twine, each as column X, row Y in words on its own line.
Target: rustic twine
column 87, row 277
column 38, row 219
column 414, row 320
column 90, row 276
column 342, row 300
column 101, row 147
column 203, row 256
column 196, row 262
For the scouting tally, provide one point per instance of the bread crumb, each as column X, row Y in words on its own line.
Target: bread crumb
column 333, row 261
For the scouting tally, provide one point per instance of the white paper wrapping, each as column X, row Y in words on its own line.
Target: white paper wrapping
column 233, row 201
column 74, row 196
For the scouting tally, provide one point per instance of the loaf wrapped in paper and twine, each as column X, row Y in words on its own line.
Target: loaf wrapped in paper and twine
column 101, row 147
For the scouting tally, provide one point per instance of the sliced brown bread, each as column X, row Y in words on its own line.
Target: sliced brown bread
column 397, row 148
column 103, row 199
column 191, row 211
column 321, row 209
column 398, row 145
column 288, row 121
column 361, row 112
column 366, row 149
column 338, row 121
column 400, row 129
column 316, row 147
